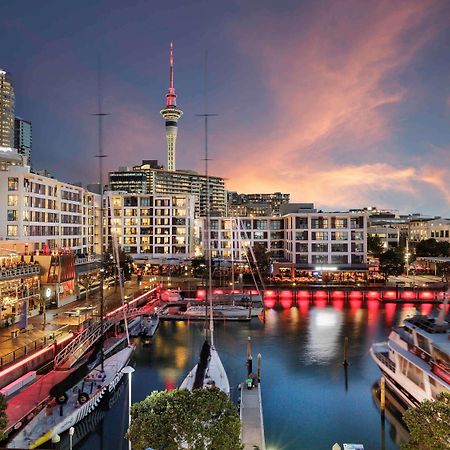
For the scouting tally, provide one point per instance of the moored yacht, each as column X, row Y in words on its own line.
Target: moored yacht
column 415, row 361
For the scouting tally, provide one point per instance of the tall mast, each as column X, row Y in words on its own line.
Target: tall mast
column 100, row 157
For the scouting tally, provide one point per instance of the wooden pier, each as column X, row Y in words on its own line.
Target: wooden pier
column 252, row 418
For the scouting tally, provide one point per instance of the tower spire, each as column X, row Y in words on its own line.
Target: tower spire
column 171, row 67
column 171, row 97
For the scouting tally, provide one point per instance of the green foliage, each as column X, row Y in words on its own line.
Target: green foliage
column 3, row 417
column 204, row 419
column 125, row 260
column 374, row 245
column 391, row 263
column 262, row 258
column 199, row 267
column 431, row 247
column 429, row 425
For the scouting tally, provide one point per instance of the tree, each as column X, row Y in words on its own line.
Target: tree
column 199, row 267
column 261, row 257
column 428, row 424
column 391, row 263
column 126, row 264
column 200, row 420
column 3, row 417
column 374, row 245
column 431, row 247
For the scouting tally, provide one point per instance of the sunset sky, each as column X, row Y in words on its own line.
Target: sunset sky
column 342, row 103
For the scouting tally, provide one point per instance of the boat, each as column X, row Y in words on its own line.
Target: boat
column 209, row 370
column 219, row 312
column 171, row 295
column 415, row 360
column 70, row 406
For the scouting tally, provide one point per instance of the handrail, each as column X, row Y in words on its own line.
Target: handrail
column 11, row 357
column 20, row 271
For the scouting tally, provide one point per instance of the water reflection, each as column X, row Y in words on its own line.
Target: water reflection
column 309, row 400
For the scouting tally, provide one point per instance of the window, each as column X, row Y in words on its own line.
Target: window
column 260, row 235
column 276, row 225
column 319, row 259
column 338, row 222
column 357, row 259
column 12, row 200
column 146, row 201
column 357, row 247
column 301, row 259
column 339, row 259
column 130, row 201
column 357, row 235
column 319, row 222
column 301, row 222
column 12, row 230
column 301, row 236
column 339, row 248
column 357, row 222
column 301, row 248
column 339, row 235
column 261, row 224
column 319, row 235
column 319, row 248
column 12, row 215
column 13, row 184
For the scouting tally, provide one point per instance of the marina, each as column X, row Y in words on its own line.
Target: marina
column 305, row 387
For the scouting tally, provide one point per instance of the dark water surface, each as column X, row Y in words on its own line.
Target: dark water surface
column 306, row 402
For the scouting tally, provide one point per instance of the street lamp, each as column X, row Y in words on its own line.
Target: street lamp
column 71, row 433
column 129, row 370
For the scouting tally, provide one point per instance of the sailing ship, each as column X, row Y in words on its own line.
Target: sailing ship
column 415, row 360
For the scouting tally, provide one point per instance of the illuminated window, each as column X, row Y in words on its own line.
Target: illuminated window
column 12, row 230
column 12, row 200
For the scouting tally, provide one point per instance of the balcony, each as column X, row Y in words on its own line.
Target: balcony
column 20, row 271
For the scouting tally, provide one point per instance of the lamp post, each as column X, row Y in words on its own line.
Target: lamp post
column 129, row 370
column 71, row 433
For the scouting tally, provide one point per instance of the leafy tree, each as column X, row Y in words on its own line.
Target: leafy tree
column 3, row 417
column 374, row 245
column 199, row 267
column 125, row 261
column 200, row 420
column 429, row 425
column 431, row 247
column 261, row 257
column 391, row 263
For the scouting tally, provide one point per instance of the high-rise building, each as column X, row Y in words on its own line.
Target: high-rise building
column 7, row 102
column 23, row 138
column 171, row 115
column 255, row 204
column 160, row 181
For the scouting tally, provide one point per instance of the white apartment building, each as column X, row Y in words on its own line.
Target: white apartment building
column 157, row 225
column 235, row 234
column 322, row 241
column 389, row 236
column 439, row 229
column 47, row 213
column 316, row 241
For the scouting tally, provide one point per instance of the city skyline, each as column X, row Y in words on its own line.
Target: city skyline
column 313, row 98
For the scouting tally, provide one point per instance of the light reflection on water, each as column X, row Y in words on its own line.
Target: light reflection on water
column 307, row 402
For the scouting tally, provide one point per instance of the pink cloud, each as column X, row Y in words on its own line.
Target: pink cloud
column 333, row 82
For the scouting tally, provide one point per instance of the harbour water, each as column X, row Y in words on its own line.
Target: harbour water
column 308, row 402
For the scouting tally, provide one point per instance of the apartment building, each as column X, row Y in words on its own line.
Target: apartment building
column 314, row 241
column 321, row 241
column 230, row 237
column 389, row 236
column 48, row 213
column 155, row 225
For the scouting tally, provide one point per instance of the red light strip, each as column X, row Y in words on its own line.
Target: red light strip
column 33, row 356
column 111, row 313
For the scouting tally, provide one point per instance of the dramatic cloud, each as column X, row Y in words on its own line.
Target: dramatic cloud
column 335, row 82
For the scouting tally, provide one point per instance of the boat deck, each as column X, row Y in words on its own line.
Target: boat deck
column 26, row 401
column 252, row 418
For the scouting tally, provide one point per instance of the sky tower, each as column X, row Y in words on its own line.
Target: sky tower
column 171, row 115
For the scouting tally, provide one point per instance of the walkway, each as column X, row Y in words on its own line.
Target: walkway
column 252, row 418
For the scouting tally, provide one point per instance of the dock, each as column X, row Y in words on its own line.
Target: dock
column 252, row 418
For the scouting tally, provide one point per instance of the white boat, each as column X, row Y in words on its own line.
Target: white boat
column 416, row 359
column 219, row 312
column 74, row 404
column 207, row 372
column 171, row 295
